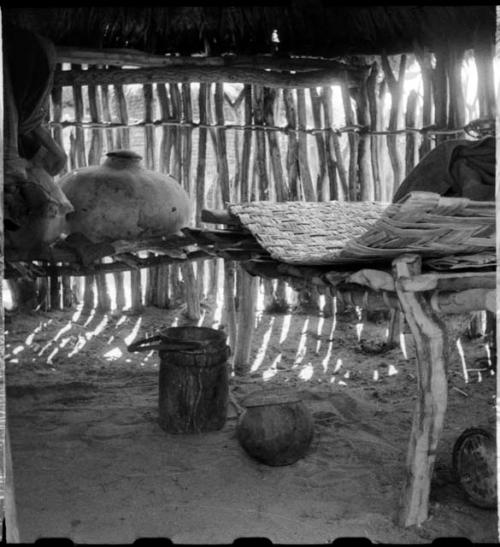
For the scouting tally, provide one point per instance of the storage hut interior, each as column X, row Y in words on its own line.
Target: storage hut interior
column 249, row 273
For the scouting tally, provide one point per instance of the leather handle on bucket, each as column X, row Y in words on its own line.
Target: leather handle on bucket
column 146, row 344
column 160, row 342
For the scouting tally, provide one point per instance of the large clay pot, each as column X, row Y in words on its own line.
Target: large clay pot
column 276, row 427
column 120, row 199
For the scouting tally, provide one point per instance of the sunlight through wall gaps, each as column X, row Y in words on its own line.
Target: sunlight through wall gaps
column 261, row 352
column 301, row 351
column 306, row 372
column 462, row 359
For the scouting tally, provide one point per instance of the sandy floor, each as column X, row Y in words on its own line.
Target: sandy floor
column 92, row 464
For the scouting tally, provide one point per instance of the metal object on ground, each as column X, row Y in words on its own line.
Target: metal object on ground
column 193, row 384
column 474, row 464
column 276, row 427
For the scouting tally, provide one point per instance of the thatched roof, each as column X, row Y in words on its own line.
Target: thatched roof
column 305, row 27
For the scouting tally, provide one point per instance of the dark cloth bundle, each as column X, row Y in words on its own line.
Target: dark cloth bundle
column 31, row 61
column 455, row 168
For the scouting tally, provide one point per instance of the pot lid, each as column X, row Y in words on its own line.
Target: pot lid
column 267, row 397
column 126, row 154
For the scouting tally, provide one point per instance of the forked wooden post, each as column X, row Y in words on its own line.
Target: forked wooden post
column 431, row 346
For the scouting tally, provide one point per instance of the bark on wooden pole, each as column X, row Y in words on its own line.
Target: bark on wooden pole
column 371, row 91
column 229, row 311
column 396, row 90
column 411, row 138
column 248, row 285
column 123, row 141
column 308, row 189
column 193, row 311
column 106, row 116
column 161, row 273
column 322, row 188
column 456, row 106
column 292, row 156
column 424, row 60
column 353, row 143
column 95, row 153
column 200, row 189
column 263, row 188
column 367, row 190
column 331, row 164
column 278, row 301
column 440, row 92
column 432, row 352
column 484, row 53
column 177, row 286
column 56, row 95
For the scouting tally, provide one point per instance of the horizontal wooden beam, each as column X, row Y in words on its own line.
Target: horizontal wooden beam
column 202, row 74
column 220, row 216
column 122, row 57
column 120, row 264
column 449, row 281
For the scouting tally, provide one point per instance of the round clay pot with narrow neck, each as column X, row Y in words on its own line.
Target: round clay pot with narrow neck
column 120, row 199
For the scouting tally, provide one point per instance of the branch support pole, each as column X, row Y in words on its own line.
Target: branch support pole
column 431, row 344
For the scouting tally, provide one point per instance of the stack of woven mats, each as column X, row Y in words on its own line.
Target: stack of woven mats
column 451, row 232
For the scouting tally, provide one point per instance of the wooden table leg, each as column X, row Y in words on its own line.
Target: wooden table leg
column 431, row 346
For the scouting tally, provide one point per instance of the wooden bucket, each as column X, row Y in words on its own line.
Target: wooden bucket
column 193, row 383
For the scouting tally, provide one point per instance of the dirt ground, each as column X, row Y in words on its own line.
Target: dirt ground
column 92, row 464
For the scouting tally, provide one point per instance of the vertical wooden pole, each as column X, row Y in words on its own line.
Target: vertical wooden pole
column 424, row 60
column 353, row 142
column 122, row 108
column 342, row 189
column 214, row 201
column 440, row 92
column 277, row 290
column 95, row 153
column 55, row 292
column 176, row 285
column 124, row 142
column 78, row 159
column 160, row 294
column 396, row 90
column 307, row 298
column 248, row 285
column 324, row 182
column 106, row 116
column 411, row 138
column 322, row 188
column 149, row 163
column 56, row 95
column 431, row 344
column 305, row 175
column 200, row 187
column 292, row 156
column 149, row 129
column 484, row 53
column 367, row 190
column 331, row 166
column 263, row 191
column 193, row 311
column 136, row 305
column 10, row 516
column 371, row 91
column 229, row 311
column 456, row 106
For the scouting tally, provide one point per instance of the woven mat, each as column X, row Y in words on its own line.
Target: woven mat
column 321, row 233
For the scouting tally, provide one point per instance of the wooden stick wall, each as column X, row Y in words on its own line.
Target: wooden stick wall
column 240, row 142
